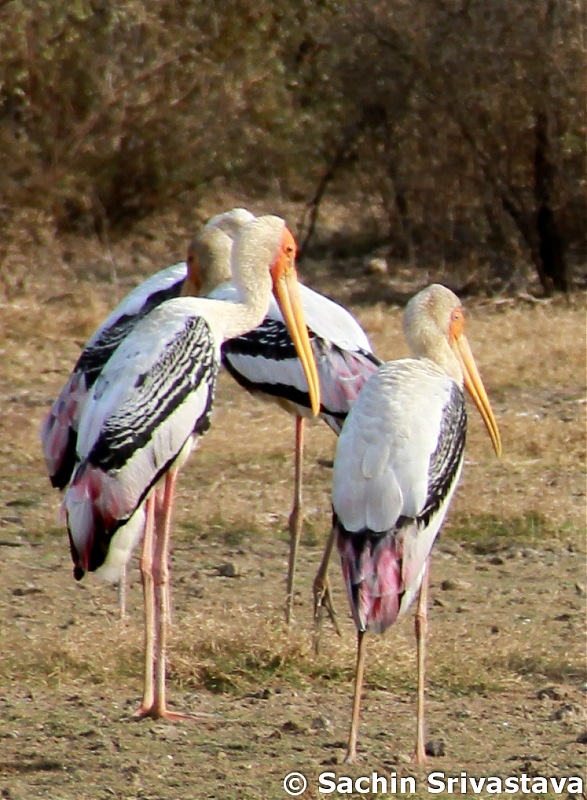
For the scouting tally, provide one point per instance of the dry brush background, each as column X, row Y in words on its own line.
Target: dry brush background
column 433, row 136
column 507, row 647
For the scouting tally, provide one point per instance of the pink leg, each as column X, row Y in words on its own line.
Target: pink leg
column 155, row 573
column 359, row 670
column 161, row 575
column 321, row 590
column 122, row 596
column 295, row 519
column 149, row 605
column 160, row 525
column 421, row 629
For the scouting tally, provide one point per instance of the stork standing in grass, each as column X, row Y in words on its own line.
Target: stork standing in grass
column 264, row 361
column 60, row 427
column 151, row 402
column 398, row 462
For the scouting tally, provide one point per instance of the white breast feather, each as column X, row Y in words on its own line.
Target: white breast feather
column 384, row 450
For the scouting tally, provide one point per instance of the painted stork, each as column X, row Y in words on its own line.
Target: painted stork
column 264, row 361
column 151, row 402
column 398, row 461
column 59, row 428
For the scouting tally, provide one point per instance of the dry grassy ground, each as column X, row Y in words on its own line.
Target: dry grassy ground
column 506, row 676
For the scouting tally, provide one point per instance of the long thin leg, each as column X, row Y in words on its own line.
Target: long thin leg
column 149, row 607
column 161, row 570
column 295, row 519
column 359, row 670
column 421, row 630
column 155, row 572
column 160, row 525
column 321, row 590
column 122, row 595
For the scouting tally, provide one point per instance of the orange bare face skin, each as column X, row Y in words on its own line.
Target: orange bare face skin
column 457, row 325
column 286, row 257
column 193, row 282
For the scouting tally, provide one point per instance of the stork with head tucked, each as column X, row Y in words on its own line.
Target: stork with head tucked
column 398, row 462
column 151, row 402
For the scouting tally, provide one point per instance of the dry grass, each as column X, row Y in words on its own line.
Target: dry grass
column 513, row 547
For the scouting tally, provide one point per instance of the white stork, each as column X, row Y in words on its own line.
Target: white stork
column 151, row 402
column 397, row 465
column 264, row 361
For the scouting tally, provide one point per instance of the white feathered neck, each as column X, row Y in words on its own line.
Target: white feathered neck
column 427, row 319
column 255, row 249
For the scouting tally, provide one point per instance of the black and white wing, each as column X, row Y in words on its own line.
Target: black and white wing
column 152, row 398
column 59, row 428
column 264, row 361
column 397, row 464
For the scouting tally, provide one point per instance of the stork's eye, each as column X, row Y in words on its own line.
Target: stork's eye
column 457, row 324
column 289, row 250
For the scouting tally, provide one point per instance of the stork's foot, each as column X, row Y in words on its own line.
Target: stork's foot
column 151, row 712
column 143, row 711
column 323, row 602
column 155, row 711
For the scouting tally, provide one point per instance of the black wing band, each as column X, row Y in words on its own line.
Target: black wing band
column 445, row 461
column 189, row 361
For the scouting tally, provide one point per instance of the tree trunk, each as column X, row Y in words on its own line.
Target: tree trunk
column 312, row 209
column 550, row 243
column 400, row 201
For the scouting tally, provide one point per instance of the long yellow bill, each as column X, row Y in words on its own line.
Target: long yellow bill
column 476, row 389
column 285, row 289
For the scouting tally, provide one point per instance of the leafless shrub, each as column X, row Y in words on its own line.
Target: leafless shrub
column 455, row 127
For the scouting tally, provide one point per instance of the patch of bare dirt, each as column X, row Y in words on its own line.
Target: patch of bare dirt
column 506, row 666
